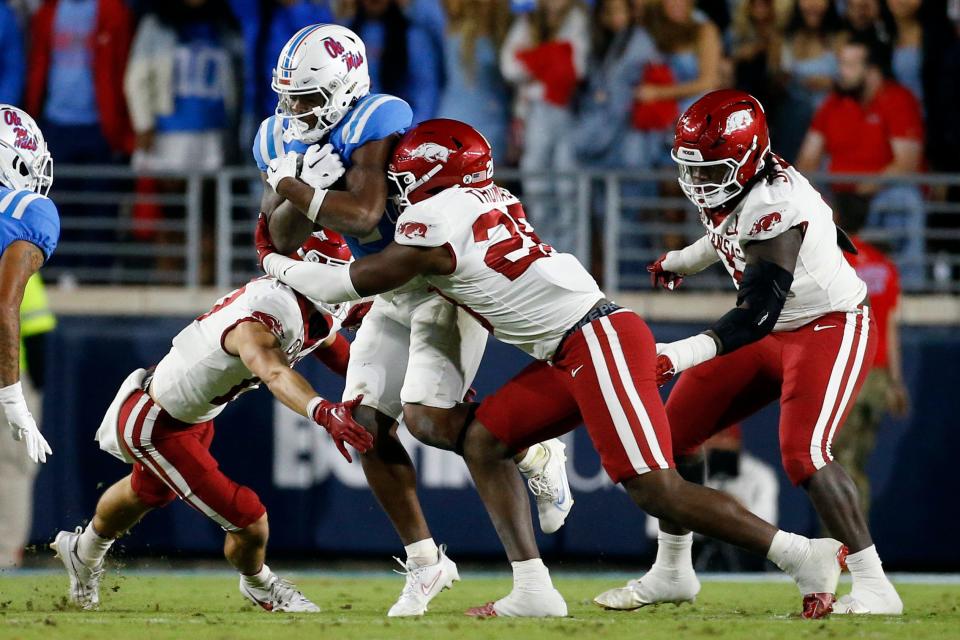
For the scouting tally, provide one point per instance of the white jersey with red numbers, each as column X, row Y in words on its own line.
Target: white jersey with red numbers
column 823, row 281
column 197, row 377
column 522, row 290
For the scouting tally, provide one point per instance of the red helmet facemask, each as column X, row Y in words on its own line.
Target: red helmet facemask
column 720, row 145
column 436, row 155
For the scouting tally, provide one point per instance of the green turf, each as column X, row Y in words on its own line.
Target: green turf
column 210, row 607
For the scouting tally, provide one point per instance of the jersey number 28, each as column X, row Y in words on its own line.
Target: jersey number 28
column 513, row 255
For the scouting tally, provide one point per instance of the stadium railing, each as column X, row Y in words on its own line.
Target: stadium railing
column 193, row 229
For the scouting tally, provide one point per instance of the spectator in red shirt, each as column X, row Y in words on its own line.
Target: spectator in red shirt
column 871, row 124
column 884, row 390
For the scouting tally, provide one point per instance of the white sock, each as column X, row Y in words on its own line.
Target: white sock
column 531, row 575
column 674, row 553
column 865, row 566
column 259, row 580
column 535, row 456
column 788, row 551
column 423, row 553
column 92, row 547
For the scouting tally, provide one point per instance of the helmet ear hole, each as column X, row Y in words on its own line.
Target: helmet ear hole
column 21, row 167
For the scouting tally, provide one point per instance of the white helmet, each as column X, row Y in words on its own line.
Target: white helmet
column 25, row 162
column 327, row 59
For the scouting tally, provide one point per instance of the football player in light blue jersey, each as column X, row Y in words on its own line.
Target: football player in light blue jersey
column 29, row 230
column 416, row 354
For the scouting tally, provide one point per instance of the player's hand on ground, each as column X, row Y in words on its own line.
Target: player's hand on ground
column 24, row 428
column 356, row 314
column 659, row 277
column 322, row 166
column 337, row 419
column 262, row 240
column 286, row 166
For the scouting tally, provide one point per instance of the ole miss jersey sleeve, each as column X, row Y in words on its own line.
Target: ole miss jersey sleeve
column 374, row 117
column 26, row 215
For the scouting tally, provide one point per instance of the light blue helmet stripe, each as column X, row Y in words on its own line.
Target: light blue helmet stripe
column 297, row 39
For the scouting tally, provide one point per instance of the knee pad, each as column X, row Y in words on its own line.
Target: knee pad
column 149, row 489
column 247, row 507
column 798, row 465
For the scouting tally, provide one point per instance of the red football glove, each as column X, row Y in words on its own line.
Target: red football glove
column 263, row 241
column 665, row 370
column 356, row 314
column 666, row 279
column 337, row 419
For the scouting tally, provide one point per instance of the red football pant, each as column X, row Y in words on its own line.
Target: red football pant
column 173, row 459
column 603, row 376
column 816, row 371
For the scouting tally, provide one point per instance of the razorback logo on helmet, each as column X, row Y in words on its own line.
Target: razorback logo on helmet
column 432, row 152
column 270, row 322
column 738, row 121
column 413, row 230
column 765, row 223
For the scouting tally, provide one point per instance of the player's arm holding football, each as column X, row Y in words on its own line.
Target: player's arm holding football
column 766, row 281
column 19, row 261
column 293, row 206
column 260, row 352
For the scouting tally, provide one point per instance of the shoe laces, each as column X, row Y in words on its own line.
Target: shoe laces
column 284, row 591
column 542, row 487
column 412, row 575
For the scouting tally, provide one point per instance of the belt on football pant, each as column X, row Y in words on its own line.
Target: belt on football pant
column 600, row 310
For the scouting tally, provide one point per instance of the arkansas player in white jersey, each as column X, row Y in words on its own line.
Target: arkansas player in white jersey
column 161, row 422
column 595, row 361
column 802, row 332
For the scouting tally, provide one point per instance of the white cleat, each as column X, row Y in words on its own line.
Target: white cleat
column 278, row 595
column 550, row 486
column 423, row 584
column 818, row 574
column 520, row 603
column 656, row 587
column 84, row 580
column 882, row 601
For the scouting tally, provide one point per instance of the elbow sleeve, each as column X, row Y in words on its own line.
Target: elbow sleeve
column 763, row 292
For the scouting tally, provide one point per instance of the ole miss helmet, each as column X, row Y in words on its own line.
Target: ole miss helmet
column 720, row 145
column 325, row 247
column 25, row 162
column 436, row 155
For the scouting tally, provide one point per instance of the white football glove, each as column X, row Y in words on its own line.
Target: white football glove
column 22, row 424
column 321, row 166
column 282, row 167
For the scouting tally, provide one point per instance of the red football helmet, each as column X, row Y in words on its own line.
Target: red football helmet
column 325, row 247
column 720, row 145
column 435, row 155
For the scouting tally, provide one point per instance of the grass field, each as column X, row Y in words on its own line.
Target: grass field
column 209, row 606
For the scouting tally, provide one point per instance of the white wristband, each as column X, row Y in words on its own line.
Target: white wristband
column 689, row 352
column 312, row 406
column 315, row 202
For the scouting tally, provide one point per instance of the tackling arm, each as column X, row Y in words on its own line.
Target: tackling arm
column 354, row 211
column 19, row 261
column 260, row 352
column 767, row 279
column 393, row 267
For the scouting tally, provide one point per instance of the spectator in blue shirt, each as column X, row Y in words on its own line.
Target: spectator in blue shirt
column 12, row 57
column 404, row 59
column 475, row 92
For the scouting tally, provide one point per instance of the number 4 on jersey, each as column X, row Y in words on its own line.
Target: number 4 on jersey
column 514, row 254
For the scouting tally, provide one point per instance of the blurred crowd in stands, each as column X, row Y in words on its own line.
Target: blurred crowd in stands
column 557, row 86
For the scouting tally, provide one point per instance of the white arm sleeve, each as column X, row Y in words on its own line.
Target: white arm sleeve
column 692, row 259
column 314, row 280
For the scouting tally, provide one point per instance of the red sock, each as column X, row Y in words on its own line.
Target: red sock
column 336, row 356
